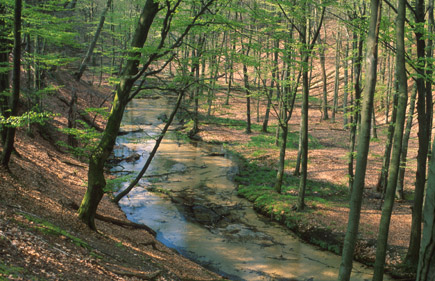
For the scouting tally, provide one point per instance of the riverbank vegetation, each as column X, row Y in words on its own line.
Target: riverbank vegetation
column 328, row 103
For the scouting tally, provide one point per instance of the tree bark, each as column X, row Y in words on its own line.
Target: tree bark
column 412, row 255
column 4, row 63
column 363, row 143
column 8, row 146
column 346, row 86
column 96, row 180
column 401, row 78
column 404, row 153
column 357, row 45
column 382, row 180
column 337, row 76
column 305, row 54
column 325, row 115
column 426, row 262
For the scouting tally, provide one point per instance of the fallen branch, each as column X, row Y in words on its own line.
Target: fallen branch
column 126, row 224
column 119, row 222
column 137, row 274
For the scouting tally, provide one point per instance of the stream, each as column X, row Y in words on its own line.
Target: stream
column 191, row 203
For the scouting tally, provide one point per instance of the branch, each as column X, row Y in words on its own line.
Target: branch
column 153, row 152
column 395, row 10
column 289, row 19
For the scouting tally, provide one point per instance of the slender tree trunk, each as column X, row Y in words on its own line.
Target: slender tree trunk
column 281, row 163
column 91, row 48
column 429, row 75
column 357, row 46
column 404, row 153
column 96, row 180
column 401, row 77
column 248, row 98
column 4, row 65
column 337, row 75
column 363, row 143
column 423, row 144
column 305, row 55
column 324, row 85
column 304, row 117
column 346, row 85
column 374, row 127
column 8, row 146
column 382, row 180
column 272, row 86
column 297, row 171
column 426, row 262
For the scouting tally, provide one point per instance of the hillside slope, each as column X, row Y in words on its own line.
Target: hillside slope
column 40, row 234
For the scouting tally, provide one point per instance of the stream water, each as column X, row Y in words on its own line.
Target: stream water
column 192, row 204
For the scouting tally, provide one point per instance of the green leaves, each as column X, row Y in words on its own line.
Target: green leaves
column 25, row 119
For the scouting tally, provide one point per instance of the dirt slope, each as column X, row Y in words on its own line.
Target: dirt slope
column 40, row 235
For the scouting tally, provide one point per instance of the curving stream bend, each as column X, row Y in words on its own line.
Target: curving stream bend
column 196, row 210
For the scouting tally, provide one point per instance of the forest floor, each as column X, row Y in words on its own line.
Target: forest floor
column 42, row 238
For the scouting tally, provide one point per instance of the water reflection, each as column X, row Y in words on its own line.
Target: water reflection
column 201, row 216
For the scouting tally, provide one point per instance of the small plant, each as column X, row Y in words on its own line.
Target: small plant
column 87, row 137
column 113, row 185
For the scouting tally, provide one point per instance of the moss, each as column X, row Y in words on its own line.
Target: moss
column 6, row 271
column 49, row 228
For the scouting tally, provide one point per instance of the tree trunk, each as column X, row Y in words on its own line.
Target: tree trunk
column 374, row 127
column 346, row 86
column 96, row 181
column 324, row 85
column 91, row 48
column 248, row 98
column 382, row 180
column 429, row 75
column 357, row 45
column 304, row 116
column 4, row 64
column 423, row 144
column 403, row 154
column 401, row 78
column 426, row 262
column 272, row 86
column 363, row 143
column 305, row 55
column 281, row 164
column 337, row 76
column 8, row 146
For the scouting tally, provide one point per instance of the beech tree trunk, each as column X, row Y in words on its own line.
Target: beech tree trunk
column 412, row 255
column 404, row 153
column 402, row 87
column 4, row 64
column 357, row 45
column 96, row 180
column 363, row 142
column 8, row 146
column 306, row 51
column 383, row 176
column 426, row 262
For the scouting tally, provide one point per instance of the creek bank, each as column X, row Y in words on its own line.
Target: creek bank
column 305, row 225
